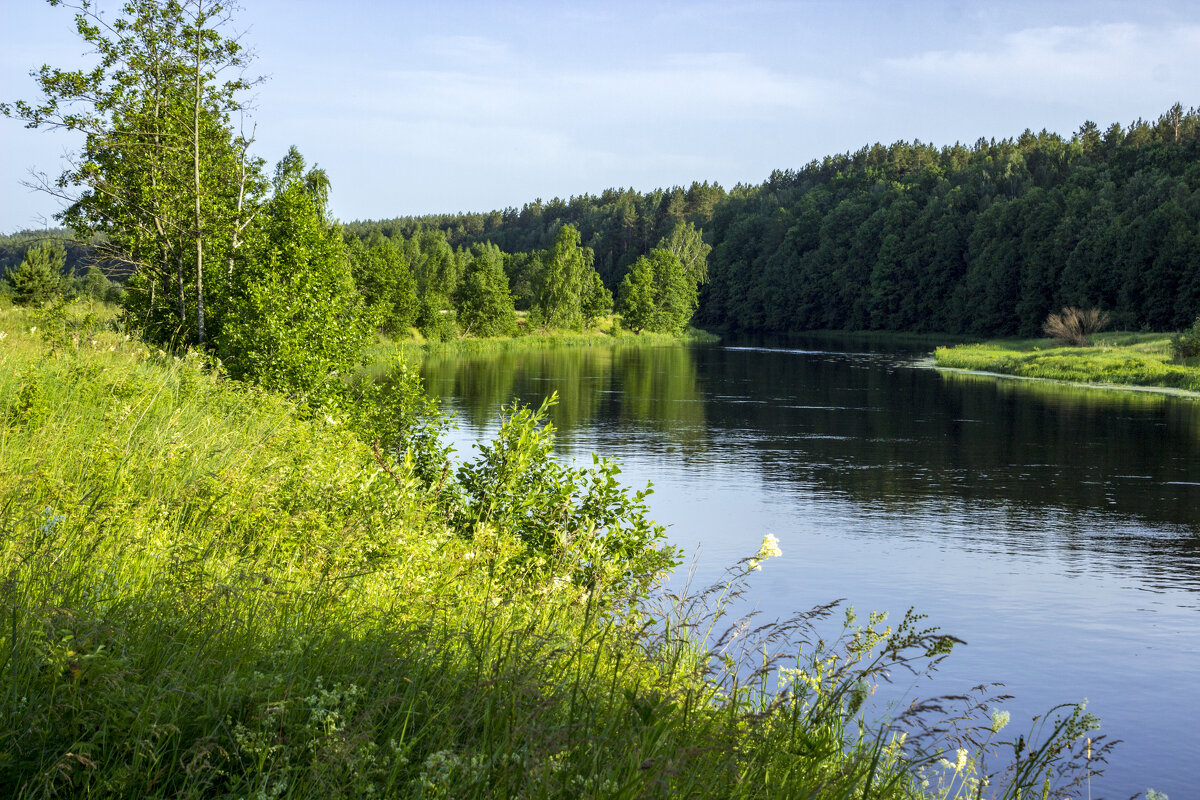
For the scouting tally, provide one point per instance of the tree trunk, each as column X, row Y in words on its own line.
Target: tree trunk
column 196, row 184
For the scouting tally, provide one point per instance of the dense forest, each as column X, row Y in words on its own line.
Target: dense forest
column 983, row 239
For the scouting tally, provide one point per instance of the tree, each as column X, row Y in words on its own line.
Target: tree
column 161, row 175
column 635, row 297
column 686, row 242
column 597, row 299
column 383, row 277
column 39, row 277
column 484, row 305
column 296, row 322
column 657, row 294
column 564, row 279
column 96, row 284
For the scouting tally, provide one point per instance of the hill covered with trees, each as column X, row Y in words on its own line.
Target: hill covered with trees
column 983, row 239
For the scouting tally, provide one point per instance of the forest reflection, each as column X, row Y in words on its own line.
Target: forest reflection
column 656, row 386
column 872, row 428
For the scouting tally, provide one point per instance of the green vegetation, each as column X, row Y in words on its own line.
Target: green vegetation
column 983, row 239
column 235, row 568
column 211, row 594
column 1117, row 359
column 39, row 277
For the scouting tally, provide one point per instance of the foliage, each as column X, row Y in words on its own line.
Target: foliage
column 658, row 294
column 578, row 524
column 212, row 595
column 96, row 284
column 39, row 277
column 435, row 321
column 1072, row 327
column 404, row 425
column 1186, row 343
column 686, row 243
column 597, row 300
column 984, row 238
column 482, row 300
column 161, row 174
column 384, row 278
column 564, row 279
column 296, row 323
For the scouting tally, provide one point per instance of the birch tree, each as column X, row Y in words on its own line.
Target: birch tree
column 162, row 177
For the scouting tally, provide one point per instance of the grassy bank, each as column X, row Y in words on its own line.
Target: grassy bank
column 1134, row 360
column 387, row 351
column 207, row 595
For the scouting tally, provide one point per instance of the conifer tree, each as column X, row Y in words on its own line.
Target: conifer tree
column 39, row 276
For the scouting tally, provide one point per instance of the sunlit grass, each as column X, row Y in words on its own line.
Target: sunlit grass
column 206, row 595
column 387, row 350
column 1116, row 358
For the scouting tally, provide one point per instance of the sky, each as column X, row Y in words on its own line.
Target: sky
column 416, row 108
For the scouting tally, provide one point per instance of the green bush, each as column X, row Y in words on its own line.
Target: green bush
column 1186, row 343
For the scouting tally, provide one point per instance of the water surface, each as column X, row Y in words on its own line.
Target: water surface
column 1056, row 530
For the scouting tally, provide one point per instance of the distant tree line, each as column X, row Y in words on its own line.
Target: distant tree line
column 618, row 225
column 983, row 239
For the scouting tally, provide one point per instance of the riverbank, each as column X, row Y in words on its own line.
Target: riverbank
column 1116, row 360
column 386, row 351
column 210, row 595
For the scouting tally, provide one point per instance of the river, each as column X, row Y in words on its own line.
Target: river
column 1056, row 530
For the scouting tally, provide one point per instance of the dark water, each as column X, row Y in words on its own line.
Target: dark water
column 1056, row 530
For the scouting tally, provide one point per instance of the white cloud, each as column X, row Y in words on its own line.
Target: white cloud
column 1078, row 66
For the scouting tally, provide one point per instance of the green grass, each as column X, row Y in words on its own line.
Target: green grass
column 205, row 595
column 1115, row 359
column 386, row 351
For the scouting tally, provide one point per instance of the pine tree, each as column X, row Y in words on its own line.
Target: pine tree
column 39, row 276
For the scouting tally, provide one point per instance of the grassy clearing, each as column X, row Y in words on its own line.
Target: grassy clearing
column 206, row 595
column 1115, row 359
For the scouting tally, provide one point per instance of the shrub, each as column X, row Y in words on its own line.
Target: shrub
column 1072, row 326
column 1186, row 343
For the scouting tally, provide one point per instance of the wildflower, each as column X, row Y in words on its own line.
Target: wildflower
column 768, row 549
column 961, row 761
column 999, row 720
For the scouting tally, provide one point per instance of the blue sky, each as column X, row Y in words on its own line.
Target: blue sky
column 454, row 106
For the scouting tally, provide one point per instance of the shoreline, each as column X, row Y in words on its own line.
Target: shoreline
column 930, row 363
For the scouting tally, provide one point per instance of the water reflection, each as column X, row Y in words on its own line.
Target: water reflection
column 655, row 387
column 1056, row 529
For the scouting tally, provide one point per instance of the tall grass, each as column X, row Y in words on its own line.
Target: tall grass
column 205, row 595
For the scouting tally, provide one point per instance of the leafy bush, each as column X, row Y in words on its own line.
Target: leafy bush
column 1072, row 326
column 581, row 524
column 1186, row 343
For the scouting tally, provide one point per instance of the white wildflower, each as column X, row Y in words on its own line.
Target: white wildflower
column 768, row 549
column 999, row 720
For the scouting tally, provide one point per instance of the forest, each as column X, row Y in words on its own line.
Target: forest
column 983, row 239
